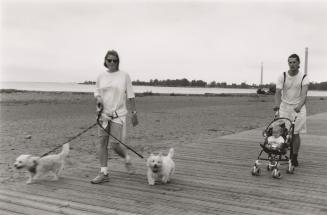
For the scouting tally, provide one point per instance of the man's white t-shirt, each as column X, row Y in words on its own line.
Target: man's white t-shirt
column 291, row 89
column 114, row 88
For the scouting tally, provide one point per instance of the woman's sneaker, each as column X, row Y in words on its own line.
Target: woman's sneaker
column 101, row 178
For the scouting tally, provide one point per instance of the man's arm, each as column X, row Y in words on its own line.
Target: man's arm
column 278, row 100
column 304, row 93
column 132, row 104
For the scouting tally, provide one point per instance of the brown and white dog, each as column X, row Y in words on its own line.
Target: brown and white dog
column 42, row 166
column 160, row 167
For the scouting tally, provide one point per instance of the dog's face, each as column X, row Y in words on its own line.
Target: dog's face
column 154, row 162
column 24, row 161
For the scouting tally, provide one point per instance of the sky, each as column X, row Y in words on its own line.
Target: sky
column 222, row 41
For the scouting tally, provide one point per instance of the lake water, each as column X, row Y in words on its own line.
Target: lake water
column 74, row 87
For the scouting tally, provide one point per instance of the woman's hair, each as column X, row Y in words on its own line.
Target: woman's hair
column 113, row 53
column 295, row 56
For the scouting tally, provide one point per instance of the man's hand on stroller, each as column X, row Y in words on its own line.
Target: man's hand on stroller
column 276, row 109
column 297, row 109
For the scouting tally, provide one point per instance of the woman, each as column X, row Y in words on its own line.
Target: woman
column 113, row 89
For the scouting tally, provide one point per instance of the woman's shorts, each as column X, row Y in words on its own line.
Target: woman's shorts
column 115, row 128
column 287, row 111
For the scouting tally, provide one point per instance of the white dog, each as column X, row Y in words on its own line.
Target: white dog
column 41, row 166
column 160, row 167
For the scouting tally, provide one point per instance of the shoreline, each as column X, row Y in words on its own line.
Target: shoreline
column 9, row 91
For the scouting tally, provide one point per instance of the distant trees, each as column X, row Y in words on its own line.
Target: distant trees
column 172, row 83
column 88, row 82
column 199, row 83
column 318, row 86
column 186, row 83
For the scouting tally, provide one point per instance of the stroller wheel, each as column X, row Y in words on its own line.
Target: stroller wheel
column 276, row 174
column 270, row 167
column 255, row 171
column 290, row 170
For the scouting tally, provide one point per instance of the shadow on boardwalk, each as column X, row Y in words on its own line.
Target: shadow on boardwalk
column 212, row 177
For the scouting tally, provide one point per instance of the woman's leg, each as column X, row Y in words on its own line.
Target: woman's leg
column 102, row 152
column 118, row 131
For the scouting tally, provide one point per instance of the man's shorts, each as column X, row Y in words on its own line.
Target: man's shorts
column 115, row 128
column 287, row 111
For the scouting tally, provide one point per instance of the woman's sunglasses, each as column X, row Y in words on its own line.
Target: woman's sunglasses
column 112, row 60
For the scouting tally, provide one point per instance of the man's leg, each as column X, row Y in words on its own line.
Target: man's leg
column 300, row 127
column 296, row 148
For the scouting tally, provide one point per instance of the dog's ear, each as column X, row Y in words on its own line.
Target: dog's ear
column 32, row 160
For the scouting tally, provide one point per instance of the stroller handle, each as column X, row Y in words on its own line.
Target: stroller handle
column 276, row 117
column 276, row 114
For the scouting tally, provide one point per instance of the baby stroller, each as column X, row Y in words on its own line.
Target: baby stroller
column 276, row 156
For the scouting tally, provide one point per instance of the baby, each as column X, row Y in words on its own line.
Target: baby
column 276, row 140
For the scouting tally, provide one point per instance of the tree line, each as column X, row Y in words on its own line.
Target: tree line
column 318, row 86
column 194, row 83
column 199, row 83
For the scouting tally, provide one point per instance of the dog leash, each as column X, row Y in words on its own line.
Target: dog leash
column 124, row 144
column 72, row 138
column 90, row 127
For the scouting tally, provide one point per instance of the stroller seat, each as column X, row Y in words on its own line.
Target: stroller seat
column 268, row 148
column 271, row 149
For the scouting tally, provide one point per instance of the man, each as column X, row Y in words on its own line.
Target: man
column 291, row 93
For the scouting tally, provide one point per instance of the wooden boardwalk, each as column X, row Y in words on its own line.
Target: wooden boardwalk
column 212, row 177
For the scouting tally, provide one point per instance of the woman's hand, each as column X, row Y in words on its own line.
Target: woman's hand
column 99, row 102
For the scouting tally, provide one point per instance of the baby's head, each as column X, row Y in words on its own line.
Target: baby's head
column 277, row 131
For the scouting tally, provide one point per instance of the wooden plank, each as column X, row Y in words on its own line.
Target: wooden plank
column 5, row 212
column 54, row 204
column 23, row 209
column 212, row 177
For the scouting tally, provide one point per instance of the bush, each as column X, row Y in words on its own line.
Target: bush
column 148, row 93
column 261, row 91
column 272, row 90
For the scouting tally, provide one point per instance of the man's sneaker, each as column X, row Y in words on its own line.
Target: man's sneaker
column 294, row 160
column 101, row 178
column 128, row 165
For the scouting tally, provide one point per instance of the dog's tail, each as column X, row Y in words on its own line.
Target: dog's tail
column 171, row 152
column 65, row 150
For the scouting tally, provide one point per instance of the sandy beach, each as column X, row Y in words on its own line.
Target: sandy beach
column 36, row 122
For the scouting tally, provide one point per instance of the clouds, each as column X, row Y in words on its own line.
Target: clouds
column 211, row 40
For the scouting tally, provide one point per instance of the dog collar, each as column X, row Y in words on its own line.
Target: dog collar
column 32, row 169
